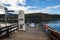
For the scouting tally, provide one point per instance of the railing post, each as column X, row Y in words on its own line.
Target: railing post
column 59, row 37
column 7, row 31
column 0, row 31
column 17, row 27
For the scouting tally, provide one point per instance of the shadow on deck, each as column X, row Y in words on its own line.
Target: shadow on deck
column 36, row 33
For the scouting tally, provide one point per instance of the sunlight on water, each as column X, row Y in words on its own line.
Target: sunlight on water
column 55, row 25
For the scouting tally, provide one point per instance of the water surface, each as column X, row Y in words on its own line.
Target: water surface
column 55, row 25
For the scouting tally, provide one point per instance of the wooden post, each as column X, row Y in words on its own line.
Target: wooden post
column 59, row 36
column 7, row 31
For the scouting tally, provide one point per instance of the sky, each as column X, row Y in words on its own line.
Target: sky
column 33, row 6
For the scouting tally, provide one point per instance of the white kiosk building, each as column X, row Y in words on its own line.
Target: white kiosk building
column 21, row 20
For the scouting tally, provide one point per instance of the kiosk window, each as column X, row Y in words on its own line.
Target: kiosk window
column 21, row 26
column 21, row 19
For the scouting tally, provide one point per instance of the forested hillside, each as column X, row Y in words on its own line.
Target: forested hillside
column 31, row 17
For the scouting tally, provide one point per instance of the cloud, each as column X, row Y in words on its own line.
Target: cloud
column 4, row 1
column 45, row 10
column 2, row 11
column 22, row 1
column 49, row 9
column 13, row 2
column 15, row 7
column 32, row 11
column 53, row 7
column 24, row 8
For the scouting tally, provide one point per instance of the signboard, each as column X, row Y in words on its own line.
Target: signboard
column 21, row 20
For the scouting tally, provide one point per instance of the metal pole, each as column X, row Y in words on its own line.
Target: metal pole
column 5, row 13
column 5, row 18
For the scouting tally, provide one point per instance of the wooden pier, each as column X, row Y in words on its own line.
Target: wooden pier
column 54, row 35
column 35, row 33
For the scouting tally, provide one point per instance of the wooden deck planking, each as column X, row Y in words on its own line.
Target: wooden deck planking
column 36, row 33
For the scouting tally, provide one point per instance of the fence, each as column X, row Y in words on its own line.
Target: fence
column 6, row 31
column 54, row 35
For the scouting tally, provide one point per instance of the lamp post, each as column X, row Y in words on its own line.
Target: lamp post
column 5, row 17
column 4, row 9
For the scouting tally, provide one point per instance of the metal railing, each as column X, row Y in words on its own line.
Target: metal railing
column 6, row 31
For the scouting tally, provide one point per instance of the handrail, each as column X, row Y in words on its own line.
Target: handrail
column 54, row 35
column 6, row 31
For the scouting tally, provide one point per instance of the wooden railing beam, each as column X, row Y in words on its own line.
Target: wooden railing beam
column 8, row 30
column 54, row 35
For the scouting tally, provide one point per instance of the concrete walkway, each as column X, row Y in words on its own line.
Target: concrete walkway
column 30, row 34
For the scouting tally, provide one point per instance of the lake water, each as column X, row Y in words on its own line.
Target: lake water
column 55, row 25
